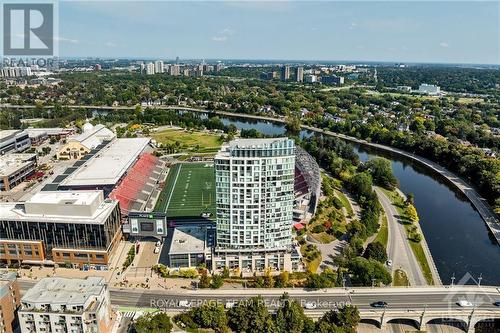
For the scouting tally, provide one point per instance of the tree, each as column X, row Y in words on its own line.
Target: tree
column 381, row 171
column 210, row 316
column 345, row 320
column 293, row 125
column 410, row 199
column 290, row 317
column 251, row 316
column 217, row 281
column 411, row 212
column 364, row 270
column 204, row 280
column 376, row 251
column 154, row 323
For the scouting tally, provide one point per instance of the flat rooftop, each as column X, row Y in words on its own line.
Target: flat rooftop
column 108, row 165
column 10, row 163
column 63, row 291
column 7, row 133
column 188, row 240
column 78, row 207
column 255, row 143
column 65, row 197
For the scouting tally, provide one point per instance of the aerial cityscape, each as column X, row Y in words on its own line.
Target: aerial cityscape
column 250, row 166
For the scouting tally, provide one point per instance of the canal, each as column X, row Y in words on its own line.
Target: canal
column 458, row 238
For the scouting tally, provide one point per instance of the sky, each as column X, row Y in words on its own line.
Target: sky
column 396, row 31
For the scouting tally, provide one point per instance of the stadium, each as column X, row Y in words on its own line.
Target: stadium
column 189, row 192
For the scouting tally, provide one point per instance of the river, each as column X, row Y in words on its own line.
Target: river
column 457, row 236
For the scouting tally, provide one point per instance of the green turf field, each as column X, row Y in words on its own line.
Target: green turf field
column 189, row 191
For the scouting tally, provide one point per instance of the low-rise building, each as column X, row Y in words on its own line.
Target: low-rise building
column 67, row 305
column 10, row 300
column 190, row 246
column 61, row 227
column 15, row 168
column 429, row 89
column 14, row 141
column 92, row 137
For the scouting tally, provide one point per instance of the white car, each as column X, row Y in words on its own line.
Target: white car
column 465, row 304
column 230, row 304
column 389, row 263
column 310, row 306
column 156, row 250
column 184, row 304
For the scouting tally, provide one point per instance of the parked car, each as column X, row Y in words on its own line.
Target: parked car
column 156, row 250
column 379, row 304
column 389, row 263
column 497, row 303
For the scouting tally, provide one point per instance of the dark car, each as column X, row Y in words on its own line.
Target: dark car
column 379, row 304
column 497, row 303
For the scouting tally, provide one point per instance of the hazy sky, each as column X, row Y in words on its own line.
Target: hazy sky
column 423, row 31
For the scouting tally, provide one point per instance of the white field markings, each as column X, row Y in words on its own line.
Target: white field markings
column 173, row 187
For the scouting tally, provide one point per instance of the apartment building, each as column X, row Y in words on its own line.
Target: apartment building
column 254, row 201
column 67, row 305
column 10, row 299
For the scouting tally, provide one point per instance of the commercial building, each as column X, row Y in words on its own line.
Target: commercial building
column 299, row 74
column 15, row 168
column 285, row 73
column 10, row 300
column 190, row 246
column 14, row 141
column 311, row 78
column 62, row 227
column 333, row 79
column 429, row 89
column 39, row 135
column 254, row 201
column 90, row 138
column 67, row 305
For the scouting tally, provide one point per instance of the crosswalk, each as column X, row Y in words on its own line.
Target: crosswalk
column 129, row 314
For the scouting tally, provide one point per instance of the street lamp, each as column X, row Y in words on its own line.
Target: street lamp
column 453, row 280
column 479, row 279
column 373, row 282
column 343, row 281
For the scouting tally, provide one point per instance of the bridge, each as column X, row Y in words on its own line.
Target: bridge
column 417, row 306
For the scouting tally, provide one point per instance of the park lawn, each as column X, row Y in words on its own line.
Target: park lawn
column 400, row 279
column 189, row 140
column 383, row 232
column 345, row 202
column 398, row 202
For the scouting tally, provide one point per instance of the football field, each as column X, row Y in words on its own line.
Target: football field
column 189, row 191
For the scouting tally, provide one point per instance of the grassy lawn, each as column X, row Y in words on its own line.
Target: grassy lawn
column 345, row 202
column 189, row 141
column 398, row 202
column 400, row 279
column 383, row 232
column 189, row 191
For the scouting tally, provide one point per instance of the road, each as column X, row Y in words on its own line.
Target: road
column 398, row 247
column 413, row 298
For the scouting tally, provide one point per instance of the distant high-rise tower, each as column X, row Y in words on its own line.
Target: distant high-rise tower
column 299, row 74
column 177, row 60
column 285, row 73
column 150, row 68
column 159, row 68
column 175, row 70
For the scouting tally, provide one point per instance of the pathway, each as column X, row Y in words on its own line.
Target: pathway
column 398, row 248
